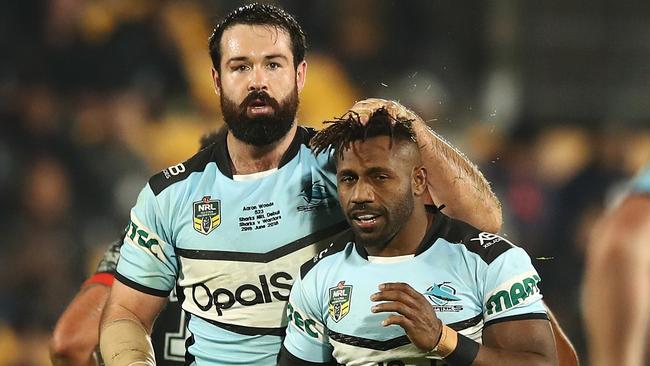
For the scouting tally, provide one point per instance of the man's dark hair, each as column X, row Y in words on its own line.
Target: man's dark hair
column 259, row 14
column 347, row 129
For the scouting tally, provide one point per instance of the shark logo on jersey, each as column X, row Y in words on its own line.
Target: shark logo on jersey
column 315, row 196
column 441, row 295
column 207, row 215
column 339, row 304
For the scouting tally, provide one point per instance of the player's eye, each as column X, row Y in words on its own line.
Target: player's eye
column 346, row 179
column 274, row 65
column 240, row 67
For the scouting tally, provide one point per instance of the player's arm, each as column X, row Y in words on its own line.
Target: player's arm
column 76, row 334
column 616, row 299
column 145, row 275
column 126, row 325
column 522, row 342
column 453, row 180
column 77, row 330
column 566, row 353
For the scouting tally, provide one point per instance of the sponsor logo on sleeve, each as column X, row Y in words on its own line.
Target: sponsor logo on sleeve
column 206, row 215
column 143, row 238
column 303, row 323
column 444, row 299
column 486, row 240
column 515, row 292
column 173, row 171
column 339, row 302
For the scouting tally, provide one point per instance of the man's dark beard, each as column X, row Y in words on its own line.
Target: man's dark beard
column 262, row 130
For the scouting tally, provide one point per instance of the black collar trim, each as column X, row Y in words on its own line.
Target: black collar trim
column 222, row 158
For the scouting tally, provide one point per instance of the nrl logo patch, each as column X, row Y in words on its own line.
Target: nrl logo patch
column 339, row 304
column 207, row 215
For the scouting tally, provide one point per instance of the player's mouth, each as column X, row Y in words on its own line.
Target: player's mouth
column 366, row 221
column 259, row 106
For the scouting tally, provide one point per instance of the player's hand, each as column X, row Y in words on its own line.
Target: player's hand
column 416, row 315
column 365, row 108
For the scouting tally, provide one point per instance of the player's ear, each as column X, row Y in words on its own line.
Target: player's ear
column 301, row 75
column 419, row 181
column 216, row 81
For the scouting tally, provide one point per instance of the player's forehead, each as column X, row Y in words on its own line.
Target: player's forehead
column 379, row 151
column 249, row 40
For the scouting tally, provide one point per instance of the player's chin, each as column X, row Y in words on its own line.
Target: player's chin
column 368, row 238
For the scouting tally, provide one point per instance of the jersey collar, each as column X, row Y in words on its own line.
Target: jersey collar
column 221, row 156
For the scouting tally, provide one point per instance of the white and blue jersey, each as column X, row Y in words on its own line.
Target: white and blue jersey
column 471, row 278
column 641, row 183
column 232, row 247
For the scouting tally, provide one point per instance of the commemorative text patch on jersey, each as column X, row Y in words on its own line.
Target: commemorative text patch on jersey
column 207, row 215
column 339, row 303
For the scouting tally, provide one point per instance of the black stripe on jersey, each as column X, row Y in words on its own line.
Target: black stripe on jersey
column 189, row 358
column 286, row 358
column 369, row 343
column 244, row 330
column 528, row 316
column 464, row 324
column 196, row 163
column 338, row 244
column 459, row 232
column 262, row 257
column 394, row 342
column 141, row 288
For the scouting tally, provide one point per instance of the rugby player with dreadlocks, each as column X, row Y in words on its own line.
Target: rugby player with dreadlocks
column 408, row 285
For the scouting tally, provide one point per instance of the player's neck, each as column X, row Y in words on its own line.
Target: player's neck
column 408, row 238
column 248, row 159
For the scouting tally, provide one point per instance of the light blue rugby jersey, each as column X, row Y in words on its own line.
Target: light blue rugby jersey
column 471, row 278
column 641, row 183
column 232, row 247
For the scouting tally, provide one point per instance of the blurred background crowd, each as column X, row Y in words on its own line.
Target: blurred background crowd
column 550, row 99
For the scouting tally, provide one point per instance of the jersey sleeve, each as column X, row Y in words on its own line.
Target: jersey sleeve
column 510, row 290
column 641, row 183
column 306, row 337
column 147, row 261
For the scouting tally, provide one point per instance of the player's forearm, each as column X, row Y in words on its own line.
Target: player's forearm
column 566, row 353
column 123, row 338
column 488, row 356
column 65, row 358
column 457, row 182
column 76, row 333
